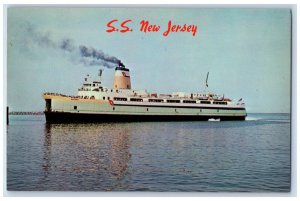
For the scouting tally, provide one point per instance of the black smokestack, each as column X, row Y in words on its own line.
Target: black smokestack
column 88, row 56
column 121, row 64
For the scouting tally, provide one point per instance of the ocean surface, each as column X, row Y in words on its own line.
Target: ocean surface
column 232, row 156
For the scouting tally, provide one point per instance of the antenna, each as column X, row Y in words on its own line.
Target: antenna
column 206, row 84
column 86, row 78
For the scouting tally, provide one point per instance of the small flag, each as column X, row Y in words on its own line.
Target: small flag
column 111, row 102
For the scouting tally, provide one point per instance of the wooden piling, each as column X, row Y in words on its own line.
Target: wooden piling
column 7, row 115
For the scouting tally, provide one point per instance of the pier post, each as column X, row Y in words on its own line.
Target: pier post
column 7, row 115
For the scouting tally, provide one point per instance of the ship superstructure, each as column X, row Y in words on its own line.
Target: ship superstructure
column 97, row 103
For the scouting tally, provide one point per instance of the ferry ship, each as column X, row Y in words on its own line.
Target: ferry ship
column 97, row 103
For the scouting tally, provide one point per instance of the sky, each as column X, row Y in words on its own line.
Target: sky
column 246, row 52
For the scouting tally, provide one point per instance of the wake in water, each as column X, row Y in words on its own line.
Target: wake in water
column 252, row 118
column 269, row 117
column 278, row 120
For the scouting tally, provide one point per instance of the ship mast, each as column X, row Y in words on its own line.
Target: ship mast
column 100, row 74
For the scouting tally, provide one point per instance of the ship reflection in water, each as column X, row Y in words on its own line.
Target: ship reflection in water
column 88, row 159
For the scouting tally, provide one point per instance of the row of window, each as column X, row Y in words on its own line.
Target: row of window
column 106, row 90
column 99, row 89
column 220, row 102
column 157, row 100
column 120, row 99
column 75, row 108
column 86, row 97
column 90, row 85
column 189, row 101
column 205, row 102
column 173, row 101
column 168, row 101
column 136, row 99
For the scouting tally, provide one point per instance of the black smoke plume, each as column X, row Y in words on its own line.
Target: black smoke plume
column 98, row 55
column 88, row 56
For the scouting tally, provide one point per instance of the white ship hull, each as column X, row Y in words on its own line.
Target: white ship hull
column 67, row 109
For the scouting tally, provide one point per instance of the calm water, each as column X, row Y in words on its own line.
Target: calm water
column 252, row 155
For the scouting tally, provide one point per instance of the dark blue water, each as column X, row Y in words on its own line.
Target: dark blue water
column 251, row 156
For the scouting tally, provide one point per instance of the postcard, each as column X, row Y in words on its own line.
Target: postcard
column 152, row 99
